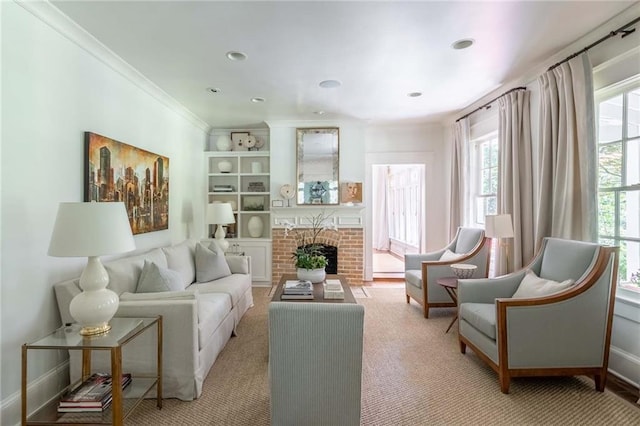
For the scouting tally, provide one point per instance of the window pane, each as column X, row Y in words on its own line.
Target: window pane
column 606, row 214
column 630, row 265
column 610, row 165
column 486, row 155
column 494, row 153
column 494, row 181
column 632, row 163
column 629, row 213
column 486, row 182
column 491, row 205
column 633, row 114
column 610, row 120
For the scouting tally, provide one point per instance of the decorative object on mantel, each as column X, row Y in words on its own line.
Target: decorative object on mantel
column 92, row 230
column 309, row 260
column 255, row 226
column 287, row 193
column 351, row 192
column 250, row 142
column 220, row 214
column 223, row 143
column 115, row 171
column 259, row 144
column 225, row 166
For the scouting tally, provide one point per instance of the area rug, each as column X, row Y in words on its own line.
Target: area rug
column 412, row 374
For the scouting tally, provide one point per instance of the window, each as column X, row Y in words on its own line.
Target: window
column 485, row 177
column 618, row 113
column 404, row 196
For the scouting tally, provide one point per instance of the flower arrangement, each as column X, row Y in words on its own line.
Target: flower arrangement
column 308, row 254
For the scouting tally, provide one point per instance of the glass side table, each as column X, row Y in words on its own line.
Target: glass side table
column 123, row 331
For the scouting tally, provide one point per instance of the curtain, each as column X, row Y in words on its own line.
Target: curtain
column 460, row 195
column 515, row 178
column 380, row 212
column 567, row 190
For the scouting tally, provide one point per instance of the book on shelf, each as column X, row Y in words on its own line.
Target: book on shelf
column 93, row 394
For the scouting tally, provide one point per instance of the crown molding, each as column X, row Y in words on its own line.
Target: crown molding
column 52, row 16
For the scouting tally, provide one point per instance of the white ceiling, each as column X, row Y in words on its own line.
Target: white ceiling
column 380, row 51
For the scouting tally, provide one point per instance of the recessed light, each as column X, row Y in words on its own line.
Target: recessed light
column 257, row 100
column 414, row 94
column 318, row 112
column 462, row 44
column 236, row 56
column 329, row 84
column 213, row 90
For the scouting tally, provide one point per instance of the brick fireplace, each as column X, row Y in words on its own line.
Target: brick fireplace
column 347, row 237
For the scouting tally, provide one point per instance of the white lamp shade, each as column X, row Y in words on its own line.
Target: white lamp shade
column 220, row 214
column 91, row 229
column 498, row 226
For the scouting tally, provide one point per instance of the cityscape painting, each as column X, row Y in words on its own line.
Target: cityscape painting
column 115, row 171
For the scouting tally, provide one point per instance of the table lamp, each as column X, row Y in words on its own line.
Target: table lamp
column 220, row 214
column 499, row 226
column 92, row 230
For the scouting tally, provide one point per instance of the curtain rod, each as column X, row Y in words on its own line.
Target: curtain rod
column 488, row 104
column 614, row 33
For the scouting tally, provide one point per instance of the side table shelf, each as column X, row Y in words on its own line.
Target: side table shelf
column 125, row 400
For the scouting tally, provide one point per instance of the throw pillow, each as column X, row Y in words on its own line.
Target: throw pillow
column 210, row 263
column 449, row 255
column 154, row 278
column 534, row 286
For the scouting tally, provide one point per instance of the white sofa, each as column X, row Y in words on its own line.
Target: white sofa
column 197, row 321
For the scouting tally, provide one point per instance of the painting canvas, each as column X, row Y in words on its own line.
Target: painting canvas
column 115, row 171
column 351, row 192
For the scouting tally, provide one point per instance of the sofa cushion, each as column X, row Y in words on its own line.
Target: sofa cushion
column 210, row 263
column 481, row 316
column 124, row 273
column 164, row 295
column 449, row 255
column 234, row 285
column 534, row 286
column 212, row 310
column 154, row 278
column 414, row 277
column 181, row 258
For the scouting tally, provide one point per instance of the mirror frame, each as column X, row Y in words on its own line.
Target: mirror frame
column 327, row 191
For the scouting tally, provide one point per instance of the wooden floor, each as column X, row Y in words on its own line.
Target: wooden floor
column 387, row 266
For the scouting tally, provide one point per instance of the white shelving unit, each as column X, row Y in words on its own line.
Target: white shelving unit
column 249, row 179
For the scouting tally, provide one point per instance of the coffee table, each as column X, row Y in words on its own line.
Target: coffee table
column 318, row 291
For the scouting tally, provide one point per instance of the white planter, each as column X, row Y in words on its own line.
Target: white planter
column 255, row 226
column 313, row 275
column 225, row 166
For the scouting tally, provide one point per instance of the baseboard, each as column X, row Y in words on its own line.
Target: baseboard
column 40, row 392
column 625, row 366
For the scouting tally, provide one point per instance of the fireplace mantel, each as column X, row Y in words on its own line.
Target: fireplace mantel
column 342, row 216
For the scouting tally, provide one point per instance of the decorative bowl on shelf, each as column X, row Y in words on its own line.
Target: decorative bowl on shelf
column 463, row 270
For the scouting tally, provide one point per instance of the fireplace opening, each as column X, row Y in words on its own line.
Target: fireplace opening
column 331, row 253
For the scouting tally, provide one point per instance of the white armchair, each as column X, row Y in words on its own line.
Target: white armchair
column 422, row 270
column 566, row 332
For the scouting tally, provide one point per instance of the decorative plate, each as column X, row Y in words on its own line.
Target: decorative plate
column 287, row 191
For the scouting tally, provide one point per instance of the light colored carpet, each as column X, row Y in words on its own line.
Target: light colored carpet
column 413, row 374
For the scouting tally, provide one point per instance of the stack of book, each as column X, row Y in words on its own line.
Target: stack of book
column 223, row 188
column 256, row 187
column 94, row 394
column 297, row 289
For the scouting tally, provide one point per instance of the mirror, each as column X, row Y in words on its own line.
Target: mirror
column 318, row 163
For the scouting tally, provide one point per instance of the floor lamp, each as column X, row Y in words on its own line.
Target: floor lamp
column 220, row 214
column 500, row 226
column 92, row 230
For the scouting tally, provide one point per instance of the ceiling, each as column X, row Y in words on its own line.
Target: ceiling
column 380, row 51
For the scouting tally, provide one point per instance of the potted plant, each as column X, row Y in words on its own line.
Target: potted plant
column 308, row 257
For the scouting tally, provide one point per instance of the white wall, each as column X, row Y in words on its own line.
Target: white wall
column 53, row 90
